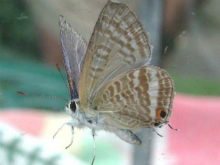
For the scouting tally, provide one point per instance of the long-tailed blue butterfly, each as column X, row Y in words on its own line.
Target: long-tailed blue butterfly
column 111, row 83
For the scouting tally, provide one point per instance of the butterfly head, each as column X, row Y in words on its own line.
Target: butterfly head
column 72, row 107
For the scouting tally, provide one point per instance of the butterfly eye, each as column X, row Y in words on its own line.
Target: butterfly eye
column 73, row 106
column 163, row 114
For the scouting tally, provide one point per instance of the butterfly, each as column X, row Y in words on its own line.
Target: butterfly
column 112, row 86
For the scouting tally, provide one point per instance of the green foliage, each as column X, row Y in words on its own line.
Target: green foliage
column 34, row 78
column 196, row 85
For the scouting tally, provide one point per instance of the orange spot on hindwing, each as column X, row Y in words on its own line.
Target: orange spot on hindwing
column 158, row 112
column 161, row 113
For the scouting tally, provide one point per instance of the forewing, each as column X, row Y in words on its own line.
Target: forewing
column 74, row 48
column 135, row 98
column 118, row 44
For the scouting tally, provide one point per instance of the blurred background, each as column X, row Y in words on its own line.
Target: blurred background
column 185, row 35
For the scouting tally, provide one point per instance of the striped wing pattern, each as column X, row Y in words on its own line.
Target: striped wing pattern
column 74, row 49
column 118, row 44
column 135, row 96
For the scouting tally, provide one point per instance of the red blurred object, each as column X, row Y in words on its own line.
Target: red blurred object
column 198, row 140
column 30, row 122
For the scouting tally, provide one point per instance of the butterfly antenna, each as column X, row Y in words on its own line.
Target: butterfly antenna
column 173, row 128
column 45, row 96
column 58, row 68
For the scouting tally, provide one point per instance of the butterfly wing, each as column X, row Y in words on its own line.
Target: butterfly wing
column 74, row 48
column 118, row 44
column 136, row 98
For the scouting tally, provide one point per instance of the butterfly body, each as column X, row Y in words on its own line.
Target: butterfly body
column 97, row 121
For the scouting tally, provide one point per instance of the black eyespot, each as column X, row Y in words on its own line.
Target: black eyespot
column 73, row 106
column 163, row 114
column 156, row 124
column 90, row 121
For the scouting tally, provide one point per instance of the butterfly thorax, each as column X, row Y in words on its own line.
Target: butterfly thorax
column 91, row 118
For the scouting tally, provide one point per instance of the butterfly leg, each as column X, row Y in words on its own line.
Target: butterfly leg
column 93, row 135
column 59, row 129
column 72, row 124
column 72, row 128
